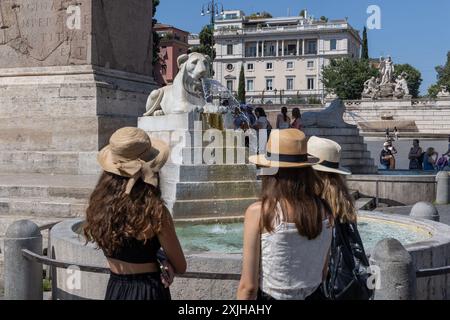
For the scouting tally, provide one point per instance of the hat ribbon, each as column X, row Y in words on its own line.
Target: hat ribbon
column 330, row 164
column 138, row 169
column 295, row 158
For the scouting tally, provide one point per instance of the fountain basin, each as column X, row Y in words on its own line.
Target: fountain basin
column 432, row 251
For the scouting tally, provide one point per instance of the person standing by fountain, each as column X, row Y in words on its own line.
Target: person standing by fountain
column 386, row 157
column 415, row 155
column 429, row 159
column 262, row 127
column 128, row 220
column 283, row 120
column 345, row 236
column 289, row 223
column 297, row 116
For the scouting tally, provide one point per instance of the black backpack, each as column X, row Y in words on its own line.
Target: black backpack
column 348, row 272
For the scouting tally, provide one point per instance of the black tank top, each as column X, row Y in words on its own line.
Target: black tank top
column 137, row 251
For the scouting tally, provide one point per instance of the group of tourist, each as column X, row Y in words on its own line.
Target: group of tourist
column 428, row 160
column 419, row 159
column 293, row 236
column 245, row 118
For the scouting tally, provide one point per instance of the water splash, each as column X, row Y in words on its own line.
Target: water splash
column 220, row 96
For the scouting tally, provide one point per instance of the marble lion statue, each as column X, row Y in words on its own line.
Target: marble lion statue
column 330, row 117
column 186, row 92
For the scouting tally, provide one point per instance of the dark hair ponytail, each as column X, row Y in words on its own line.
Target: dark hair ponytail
column 284, row 112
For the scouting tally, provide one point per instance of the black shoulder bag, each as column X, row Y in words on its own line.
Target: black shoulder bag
column 348, row 266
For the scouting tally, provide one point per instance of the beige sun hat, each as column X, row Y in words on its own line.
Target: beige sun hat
column 132, row 154
column 329, row 152
column 286, row 148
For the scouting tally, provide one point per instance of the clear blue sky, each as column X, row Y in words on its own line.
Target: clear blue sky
column 412, row 31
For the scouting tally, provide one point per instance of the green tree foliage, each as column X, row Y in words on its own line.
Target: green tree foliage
column 414, row 78
column 365, row 46
column 443, row 78
column 241, row 88
column 347, row 76
column 155, row 37
column 323, row 18
column 302, row 13
column 206, row 42
column 260, row 15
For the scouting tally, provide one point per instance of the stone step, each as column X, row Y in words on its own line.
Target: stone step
column 49, row 162
column 346, row 139
column 363, row 169
column 355, row 154
column 210, row 208
column 47, row 192
column 193, row 173
column 365, row 203
column 43, row 207
column 354, row 147
column 323, row 132
column 357, row 161
column 211, row 190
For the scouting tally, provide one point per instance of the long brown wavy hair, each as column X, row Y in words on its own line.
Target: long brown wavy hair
column 296, row 187
column 112, row 216
column 336, row 193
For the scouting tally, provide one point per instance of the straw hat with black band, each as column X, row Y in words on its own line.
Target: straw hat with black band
column 329, row 152
column 286, row 148
column 132, row 154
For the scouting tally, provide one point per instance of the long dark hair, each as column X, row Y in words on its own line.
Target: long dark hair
column 296, row 113
column 336, row 193
column 112, row 216
column 284, row 113
column 261, row 112
column 296, row 187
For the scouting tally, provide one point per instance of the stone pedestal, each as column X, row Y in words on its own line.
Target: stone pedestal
column 206, row 174
column 71, row 73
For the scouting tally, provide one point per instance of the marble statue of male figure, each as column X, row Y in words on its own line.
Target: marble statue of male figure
column 387, row 71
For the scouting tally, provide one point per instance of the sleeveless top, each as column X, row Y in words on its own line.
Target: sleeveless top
column 137, row 251
column 283, row 124
column 292, row 265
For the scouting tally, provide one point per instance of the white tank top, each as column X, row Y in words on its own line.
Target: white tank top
column 292, row 265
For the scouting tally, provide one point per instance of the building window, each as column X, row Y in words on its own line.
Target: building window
column 310, row 83
column 270, row 49
column 250, row 66
column 333, row 44
column 229, row 49
column 269, row 66
column 249, row 85
column 289, row 84
column 290, row 48
column 250, row 49
column 230, row 85
column 310, row 64
column 290, row 65
column 269, row 84
column 311, row 46
column 230, row 67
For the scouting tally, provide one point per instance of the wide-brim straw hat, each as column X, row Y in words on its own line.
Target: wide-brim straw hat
column 285, row 148
column 132, row 154
column 329, row 152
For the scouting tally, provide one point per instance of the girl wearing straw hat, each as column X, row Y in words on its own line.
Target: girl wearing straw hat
column 286, row 226
column 128, row 220
column 349, row 282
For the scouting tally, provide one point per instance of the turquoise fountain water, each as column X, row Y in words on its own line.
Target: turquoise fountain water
column 227, row 237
